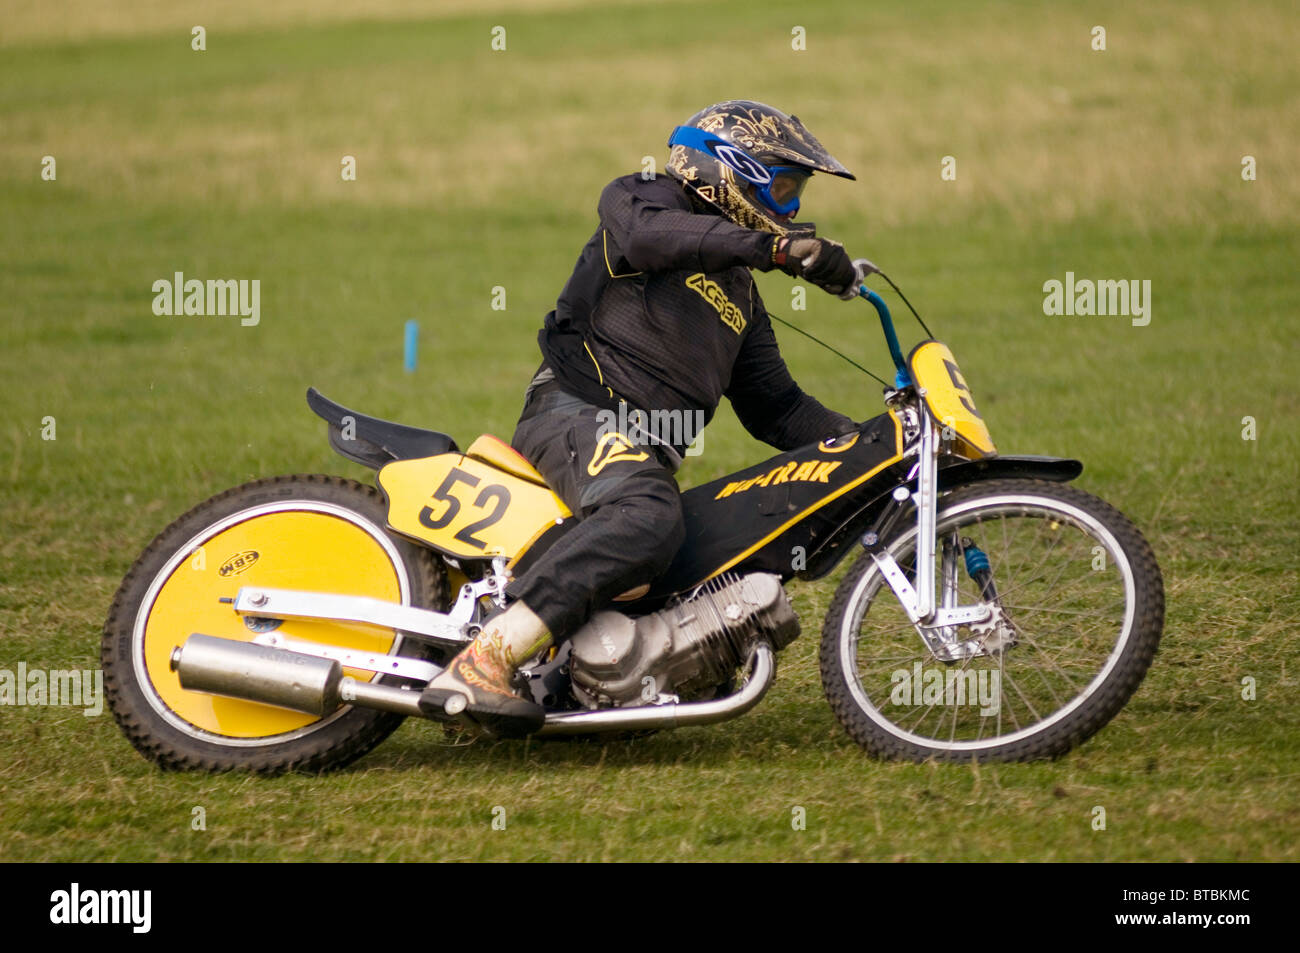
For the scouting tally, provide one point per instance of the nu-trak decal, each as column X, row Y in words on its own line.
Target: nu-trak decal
column 613, row 448
column 811, row 471
column 712, row 292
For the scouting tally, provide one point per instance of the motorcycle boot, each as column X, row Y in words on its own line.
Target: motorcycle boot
column 476, row 685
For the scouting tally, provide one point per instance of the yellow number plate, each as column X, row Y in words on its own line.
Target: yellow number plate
column 465, row 507
column 935, row 372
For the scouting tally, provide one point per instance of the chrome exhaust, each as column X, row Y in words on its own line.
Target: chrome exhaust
column 279, row 677
column 761, row 665
column 317, row 686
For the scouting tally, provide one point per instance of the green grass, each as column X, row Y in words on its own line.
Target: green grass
column 479, row 169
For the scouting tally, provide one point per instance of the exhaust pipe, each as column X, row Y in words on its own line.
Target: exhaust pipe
column 293, row 680
column 761, row 665
column 317, row 686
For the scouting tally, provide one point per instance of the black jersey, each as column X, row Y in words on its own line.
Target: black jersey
column 663, row 313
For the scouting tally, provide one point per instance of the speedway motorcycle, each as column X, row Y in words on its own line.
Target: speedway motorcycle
column 993, row 612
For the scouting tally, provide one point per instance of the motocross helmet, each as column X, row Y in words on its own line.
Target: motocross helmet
column 750, row 162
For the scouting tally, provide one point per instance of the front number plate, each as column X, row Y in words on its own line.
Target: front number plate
column 948, row 396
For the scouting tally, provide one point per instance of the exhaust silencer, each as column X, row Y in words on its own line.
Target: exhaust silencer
column 272, row 676
column 258, row 673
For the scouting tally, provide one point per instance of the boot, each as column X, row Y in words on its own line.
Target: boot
column 475, row 686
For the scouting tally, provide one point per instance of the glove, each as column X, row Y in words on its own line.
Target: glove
column 823, row 262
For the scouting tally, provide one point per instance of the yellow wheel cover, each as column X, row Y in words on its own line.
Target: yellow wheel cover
column 283, row 550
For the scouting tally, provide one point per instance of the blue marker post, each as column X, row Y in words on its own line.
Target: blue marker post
column 412, row 338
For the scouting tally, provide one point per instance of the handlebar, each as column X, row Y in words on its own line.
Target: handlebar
column 901, row 377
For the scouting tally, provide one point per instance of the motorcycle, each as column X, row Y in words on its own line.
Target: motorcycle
column 291, row 623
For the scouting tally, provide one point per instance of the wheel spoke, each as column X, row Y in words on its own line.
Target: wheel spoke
column 1018, row 608
column 1028, row 704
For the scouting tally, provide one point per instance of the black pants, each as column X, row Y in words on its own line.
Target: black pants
column 624, row 495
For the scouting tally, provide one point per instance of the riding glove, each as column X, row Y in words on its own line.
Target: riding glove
column 823, row 262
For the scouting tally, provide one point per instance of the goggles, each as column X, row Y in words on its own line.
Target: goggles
column 777, row 187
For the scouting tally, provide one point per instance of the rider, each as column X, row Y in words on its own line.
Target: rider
column 660, row 315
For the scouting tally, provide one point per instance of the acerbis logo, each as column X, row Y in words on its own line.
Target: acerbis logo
column 712, row 292
column 746, row 166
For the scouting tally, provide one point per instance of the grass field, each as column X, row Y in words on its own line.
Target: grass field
column 478, row 168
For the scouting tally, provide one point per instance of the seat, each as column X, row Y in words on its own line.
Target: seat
column 500, row 454
column 372, row 442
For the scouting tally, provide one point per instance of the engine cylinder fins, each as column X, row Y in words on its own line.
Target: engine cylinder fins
column 686, row 649
column 759, row 598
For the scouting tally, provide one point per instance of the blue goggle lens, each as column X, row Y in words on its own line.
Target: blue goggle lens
column 782, row 194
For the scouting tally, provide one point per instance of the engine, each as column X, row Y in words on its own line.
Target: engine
column 686, row 649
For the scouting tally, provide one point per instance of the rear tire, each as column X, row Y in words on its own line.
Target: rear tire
column 310, row 532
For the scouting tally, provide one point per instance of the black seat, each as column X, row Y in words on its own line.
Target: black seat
column 373, row 442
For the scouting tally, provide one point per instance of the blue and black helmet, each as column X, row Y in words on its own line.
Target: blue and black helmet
column 750, row 161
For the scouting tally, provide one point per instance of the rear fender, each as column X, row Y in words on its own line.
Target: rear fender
column 373, row 442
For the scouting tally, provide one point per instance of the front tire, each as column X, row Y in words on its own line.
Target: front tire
column 309, row 532
column 1084, row 598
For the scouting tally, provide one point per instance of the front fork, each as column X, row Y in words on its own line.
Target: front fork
column 937, row 621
